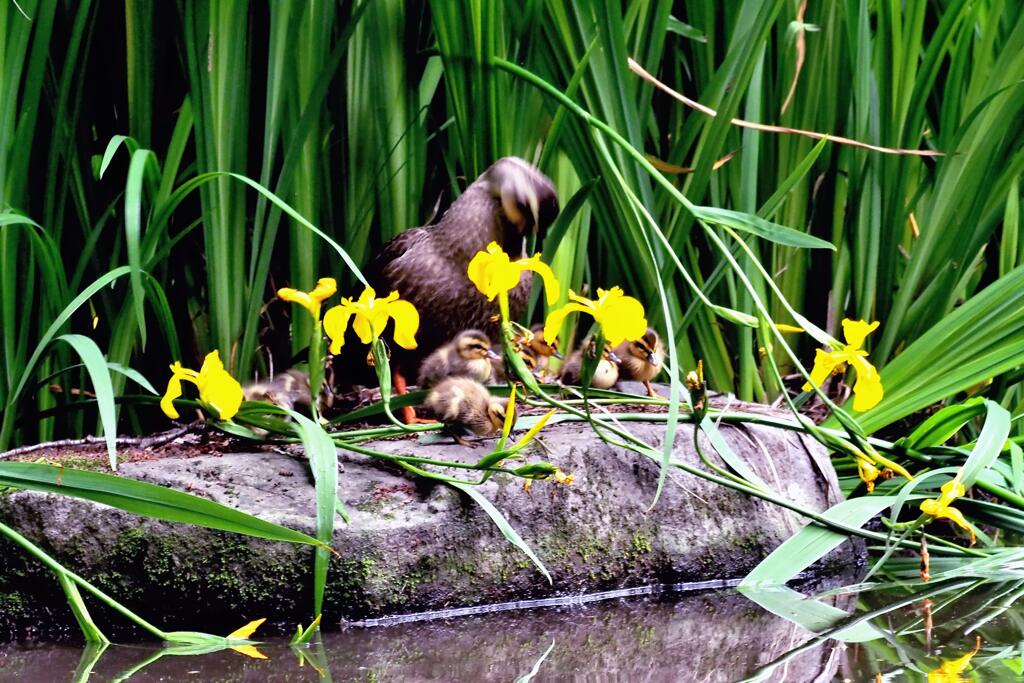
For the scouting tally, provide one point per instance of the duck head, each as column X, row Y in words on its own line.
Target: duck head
column 527, row 199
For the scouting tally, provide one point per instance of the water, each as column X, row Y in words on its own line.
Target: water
column 892, row 635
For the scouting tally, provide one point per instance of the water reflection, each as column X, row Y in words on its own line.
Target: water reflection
column 957, row 631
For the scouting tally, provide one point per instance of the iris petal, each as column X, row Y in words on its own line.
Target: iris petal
column 621, row 317
column 218, row 388
column 247, row 630
column 407, row 322
column 555, row 319
column 867, row 390
column 295, row 296
column 224, row 393
column 325, row 288
column 362, row 328
column 477, row 273
column 856, row 331
column 173, row 392
column 552, row 289
column 336, row 324
column 824, row 363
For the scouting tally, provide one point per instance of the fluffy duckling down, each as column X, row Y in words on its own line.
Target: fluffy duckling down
column 465, row 407
column 641, row 360
column 605, row 376
column 287, row 390
column 534, row 351
column 468, row 355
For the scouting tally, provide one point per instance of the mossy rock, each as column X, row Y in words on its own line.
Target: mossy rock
column 414, row 545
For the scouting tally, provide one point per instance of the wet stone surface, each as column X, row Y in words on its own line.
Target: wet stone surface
column 412, row 544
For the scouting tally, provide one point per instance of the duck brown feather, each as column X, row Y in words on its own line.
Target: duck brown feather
column 428, row 265
column 605, row 376
column 468, row 355
column 464, row 405
column 641, row 360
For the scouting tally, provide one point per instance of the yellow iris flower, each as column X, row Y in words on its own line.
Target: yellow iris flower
column 495, row 274
column 950, row 671
column 621, row 317
column 868, row 473
column 867, row 390
column 371, row 317
column 942, row 506
column 325, row 288
column 216, row 387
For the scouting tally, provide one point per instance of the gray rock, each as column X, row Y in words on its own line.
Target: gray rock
column 414, row 545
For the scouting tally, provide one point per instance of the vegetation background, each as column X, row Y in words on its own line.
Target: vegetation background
column 370, row 117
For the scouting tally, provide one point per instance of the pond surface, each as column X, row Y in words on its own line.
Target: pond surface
column 967, row 631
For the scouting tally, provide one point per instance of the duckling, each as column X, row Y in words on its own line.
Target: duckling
column 466, row 407
column 290, row 389
column 508, row 203
column 287, row 390
column 534, row 351
column 468, row 355
column 642, row 360
column 605, row 375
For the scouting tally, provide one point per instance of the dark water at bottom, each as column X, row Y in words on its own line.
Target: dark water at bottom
column 714, row 636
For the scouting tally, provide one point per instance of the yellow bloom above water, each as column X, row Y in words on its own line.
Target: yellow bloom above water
column 942, row 506
column 325, row 288
column 621, row 317
column 495, row 274
column 867, row 390
column 216, row 387
column 371, row 317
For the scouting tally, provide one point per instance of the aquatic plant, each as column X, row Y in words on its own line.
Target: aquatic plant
column 217, row 387
column 889, row 116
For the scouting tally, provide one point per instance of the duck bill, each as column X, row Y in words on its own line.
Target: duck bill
column 493, row 355
column 613, row 357
column 653, row 359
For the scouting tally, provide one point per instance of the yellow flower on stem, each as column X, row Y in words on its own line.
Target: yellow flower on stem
column 621, row 317
column 495, row 275
column 950, row 671
column 216, row 387
column 371, row 316
column 868, row 473
column 867, row 390
column 942, row 506
column 325, row 288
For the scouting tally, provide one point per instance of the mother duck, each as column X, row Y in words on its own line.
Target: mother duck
column 510, row 201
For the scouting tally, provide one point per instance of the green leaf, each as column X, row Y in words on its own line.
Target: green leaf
column 729, row 457
column 142, row 498
column 989, row 444
column 499, row 520
column 941, row 426
column 811, row 614
column 99, row 373
column 135, row 376
column 303, row 636
column 90, row 630
column 323, row 461
column 755, row 225
column 813, row 542
column 133, row 232
column 528, row 676
column 685, row 30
